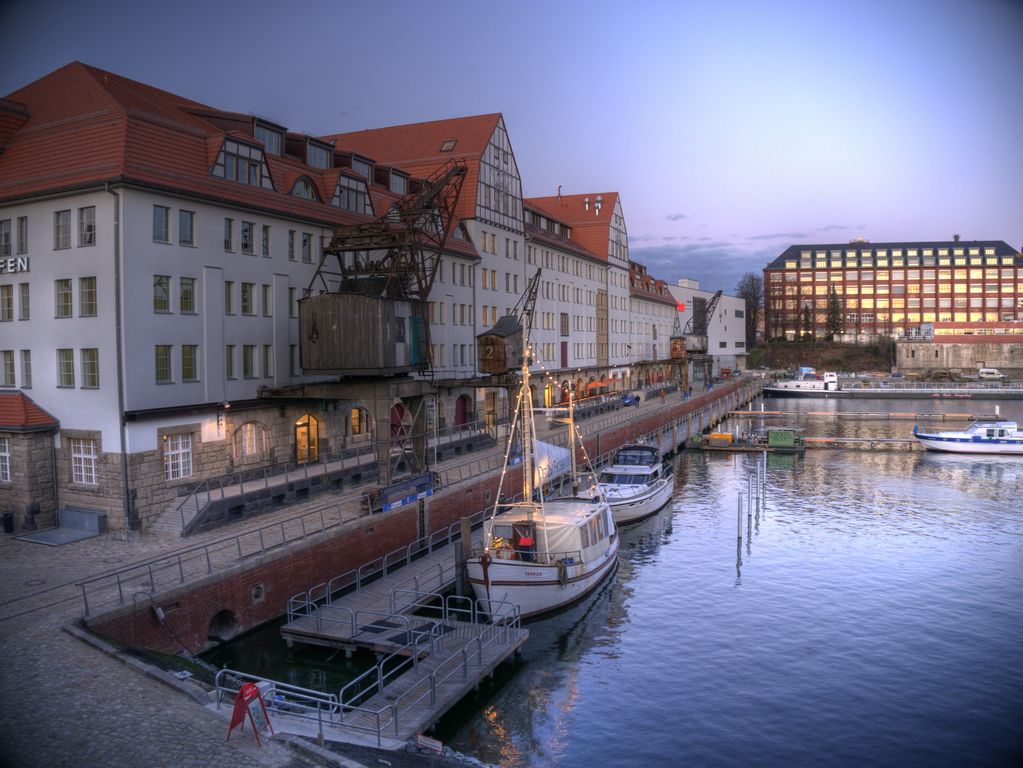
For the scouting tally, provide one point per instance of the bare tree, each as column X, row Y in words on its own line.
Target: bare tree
column 751, row 290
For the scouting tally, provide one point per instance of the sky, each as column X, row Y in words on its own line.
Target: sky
column 730, row 128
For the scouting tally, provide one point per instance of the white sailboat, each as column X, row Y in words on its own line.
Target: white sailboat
column 540, row 554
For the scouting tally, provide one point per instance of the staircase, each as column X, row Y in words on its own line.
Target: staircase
column 168, row 523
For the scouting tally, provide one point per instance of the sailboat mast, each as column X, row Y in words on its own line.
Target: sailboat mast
column 571, row 442
column 528, row 435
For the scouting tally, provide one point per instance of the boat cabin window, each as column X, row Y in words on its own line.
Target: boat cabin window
column 616, row 479
column 633, row 458
column 502, row 532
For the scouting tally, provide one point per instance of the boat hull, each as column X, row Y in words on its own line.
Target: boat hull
column 535, row 588
column 791, row 392
column 971, row 445
column 632, row 509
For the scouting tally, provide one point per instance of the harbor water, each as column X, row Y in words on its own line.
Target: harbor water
column 872, row 614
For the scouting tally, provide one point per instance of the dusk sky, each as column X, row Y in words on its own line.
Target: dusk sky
column 731, row 129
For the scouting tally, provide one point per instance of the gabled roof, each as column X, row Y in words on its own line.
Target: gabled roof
column 555, row 240
column 18, row 413
column 86, row 126
column 591, row 228
column 416, row 148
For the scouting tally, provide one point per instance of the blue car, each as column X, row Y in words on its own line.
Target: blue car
column 630, row 399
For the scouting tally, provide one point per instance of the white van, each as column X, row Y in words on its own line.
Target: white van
column 990, row 374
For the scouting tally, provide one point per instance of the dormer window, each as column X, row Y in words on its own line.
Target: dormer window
column 318, row 156
column 271, row 138
column 305, row 189
column 351, row 195
column 399, row 183
column 242, row 163
column 362, row 167
column 448, row 145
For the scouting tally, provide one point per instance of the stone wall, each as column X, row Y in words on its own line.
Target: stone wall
column 959, row 357
column 30, row 495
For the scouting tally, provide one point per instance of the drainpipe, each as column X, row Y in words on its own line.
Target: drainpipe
column 126, row 494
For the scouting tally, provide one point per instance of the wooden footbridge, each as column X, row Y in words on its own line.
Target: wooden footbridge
column 432, row 648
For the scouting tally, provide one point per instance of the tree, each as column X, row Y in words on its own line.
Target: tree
column 751, row 290
column 834, row 315
column 808, row 329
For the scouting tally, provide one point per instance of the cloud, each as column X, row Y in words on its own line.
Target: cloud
column 779, row 236
column 832, row 227
column 675, row 217
column 714, row 263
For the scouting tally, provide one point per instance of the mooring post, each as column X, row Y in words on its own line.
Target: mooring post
column 738, row 523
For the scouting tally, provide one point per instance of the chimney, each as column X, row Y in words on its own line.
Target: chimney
column 955, row 238
column 596, row 205
column 559, row 193
column 586, row 203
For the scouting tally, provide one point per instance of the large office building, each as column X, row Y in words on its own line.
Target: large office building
column 154, row 254
column 952, row 288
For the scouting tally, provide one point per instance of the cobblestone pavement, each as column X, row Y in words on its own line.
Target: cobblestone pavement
column 65, row 704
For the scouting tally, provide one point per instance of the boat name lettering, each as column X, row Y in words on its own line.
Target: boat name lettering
column 534, row 573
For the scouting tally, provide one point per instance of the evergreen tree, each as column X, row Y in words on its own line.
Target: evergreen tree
column 807, row 332
column 834, row 315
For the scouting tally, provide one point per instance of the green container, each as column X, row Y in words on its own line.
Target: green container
column 781, row 438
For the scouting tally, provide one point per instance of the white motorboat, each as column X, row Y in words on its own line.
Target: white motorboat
column 540, row 554
column 996, row 437
column 636, row 483
column 807, row 386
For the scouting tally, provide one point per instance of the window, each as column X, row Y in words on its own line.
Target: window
column 83, row 461
column 229, row 361
column 177, row 456
column 268, row 360
column 356, row 421
column 228, row 234
column 26, row 369
column 87, row 226
column 362, row 167
column 266, row 240
column 272, row 139
column 292, row 305
column 7, row 368
column 24, row 308
column 161, row 293
column 87, row 297
column 307, row 247
column 317, row 156
column 23, row 234
column 291, row 245
column 242, row 163
column 189, row 362
column 251, row 439
column 5, row 460
column 247, row 306
column 186, row 228
column 5, row 238
column 248, row 235
column 186, row 295
column 268, row 306
column 61, row 230
column 90, row 368
column 65, row 367
column 228, row 297
column 62, row 298
column 163, row 364
column 248, row 361
column 351, row 195
column 161, row 224
column 304, row 188
column 6, row 303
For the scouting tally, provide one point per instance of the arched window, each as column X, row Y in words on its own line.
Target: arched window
column 304, row 188
column 307, row 439
column 251, row 440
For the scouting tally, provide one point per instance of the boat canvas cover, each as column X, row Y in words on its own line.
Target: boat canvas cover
column 551, row 461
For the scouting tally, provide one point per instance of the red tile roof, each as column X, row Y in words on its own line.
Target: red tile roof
column 416, row 148
column 18, row 413
column 590, row 228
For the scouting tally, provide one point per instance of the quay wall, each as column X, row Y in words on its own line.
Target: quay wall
column 237, row 600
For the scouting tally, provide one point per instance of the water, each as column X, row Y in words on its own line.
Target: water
column 875, row 618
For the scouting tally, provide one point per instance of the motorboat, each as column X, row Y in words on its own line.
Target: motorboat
column 636, row 483
column 539, row 554
column 996, row 437
column 809, row 385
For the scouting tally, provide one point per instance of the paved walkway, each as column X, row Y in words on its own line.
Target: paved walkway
column 65, row 704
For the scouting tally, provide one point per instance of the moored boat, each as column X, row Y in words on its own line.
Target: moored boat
column 636, row 483
column 808, row 386
column 539, row 554
column 995, row 437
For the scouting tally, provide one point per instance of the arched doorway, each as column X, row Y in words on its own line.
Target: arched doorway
column 463, row 411
column 307, row 439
